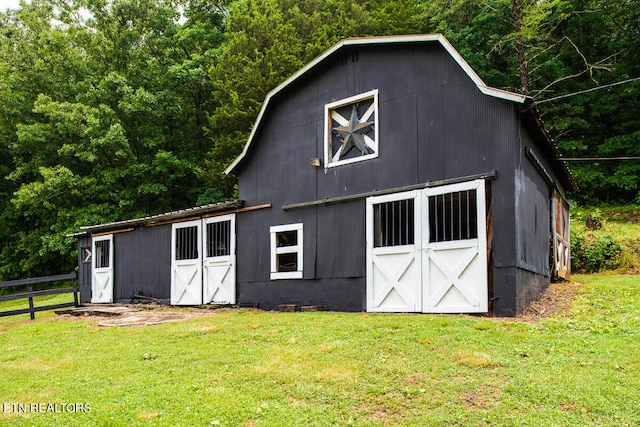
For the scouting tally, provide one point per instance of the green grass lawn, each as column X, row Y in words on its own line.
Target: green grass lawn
column 251, row 368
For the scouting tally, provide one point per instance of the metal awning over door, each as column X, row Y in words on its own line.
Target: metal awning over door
column 426, row 250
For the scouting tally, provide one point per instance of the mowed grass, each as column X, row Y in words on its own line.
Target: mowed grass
column 252, row 368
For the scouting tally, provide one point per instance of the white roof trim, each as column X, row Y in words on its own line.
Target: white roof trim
column 487, row 90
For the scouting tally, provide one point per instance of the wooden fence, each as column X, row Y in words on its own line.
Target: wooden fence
column 31, row 293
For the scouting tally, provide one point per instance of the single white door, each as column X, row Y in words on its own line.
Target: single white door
column 186, row 263
column 219, row 267
column 393, row 262
column 102, row 269
column 454, row 249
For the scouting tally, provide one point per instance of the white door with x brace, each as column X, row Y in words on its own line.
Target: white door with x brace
column 454, row 254
column 393, row 253
column 426, row 250
column 219, row 267
column 186, row 263
column 102, row 269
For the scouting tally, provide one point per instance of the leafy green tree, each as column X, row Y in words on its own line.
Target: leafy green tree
column 602, row 123
column 107, row 103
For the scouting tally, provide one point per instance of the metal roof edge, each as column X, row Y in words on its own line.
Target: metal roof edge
column 168, row 216
column 360, row 41
column 559, row 165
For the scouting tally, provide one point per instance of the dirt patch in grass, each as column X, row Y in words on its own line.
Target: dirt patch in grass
column 555, row 300
column 131, row 315
column 482, row 400
column 148, row 318
column 414, row 379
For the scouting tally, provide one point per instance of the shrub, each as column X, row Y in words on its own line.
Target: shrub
column 594, row 251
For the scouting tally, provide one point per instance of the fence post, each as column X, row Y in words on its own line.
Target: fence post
column 74, row 284
column 32, row 313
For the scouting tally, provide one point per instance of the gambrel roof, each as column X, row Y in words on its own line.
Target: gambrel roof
column 550, row 147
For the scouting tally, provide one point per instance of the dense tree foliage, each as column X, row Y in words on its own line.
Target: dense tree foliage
column 113, row 109
column 602, row 123
column 104, row 108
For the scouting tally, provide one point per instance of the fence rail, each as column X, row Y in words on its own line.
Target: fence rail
column 31, row 293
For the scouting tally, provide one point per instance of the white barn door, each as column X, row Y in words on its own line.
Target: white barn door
column 186, row 263
column 426, row 250
column 219, row 267
column 455, row 255
column 102, row 269
column 393, row 248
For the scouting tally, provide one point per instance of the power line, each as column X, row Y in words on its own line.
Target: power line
column 597, row 159
column 587, row 90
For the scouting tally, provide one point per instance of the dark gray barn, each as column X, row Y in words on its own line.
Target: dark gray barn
column 383, row 176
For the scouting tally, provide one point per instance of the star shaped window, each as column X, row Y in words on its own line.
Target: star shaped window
column 351, row 129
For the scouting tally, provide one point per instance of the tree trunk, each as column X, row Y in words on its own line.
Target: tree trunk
column 522, row 64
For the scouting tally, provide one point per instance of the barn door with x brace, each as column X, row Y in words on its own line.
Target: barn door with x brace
column 425, row 250
column 219, row 267
column 186, row 263
column 102, row 269
column 203, row 261
column 454, row 254
column 393, row 253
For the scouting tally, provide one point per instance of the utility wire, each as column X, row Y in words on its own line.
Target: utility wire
column 587, row 90
column 591, row 159
column 596, row 159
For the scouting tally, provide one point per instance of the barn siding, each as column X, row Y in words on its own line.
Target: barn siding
column 530, row 286
column 334, row 247
column 341, row 294
column 84, row 270
column 533, row 223
column 142, row 263
column 504, row 291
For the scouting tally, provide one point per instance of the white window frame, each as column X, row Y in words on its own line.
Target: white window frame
column 328, row 154
column 296, row 249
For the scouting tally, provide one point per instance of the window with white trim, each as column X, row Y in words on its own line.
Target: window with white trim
column 286, row 251
column 351, row 133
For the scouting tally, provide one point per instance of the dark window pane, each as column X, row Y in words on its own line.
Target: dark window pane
column 394, row 223
column 219, row 238
column 453, row 216
column 186, row 243
column 286, row 238
column 102, row 253
column 287, row 262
